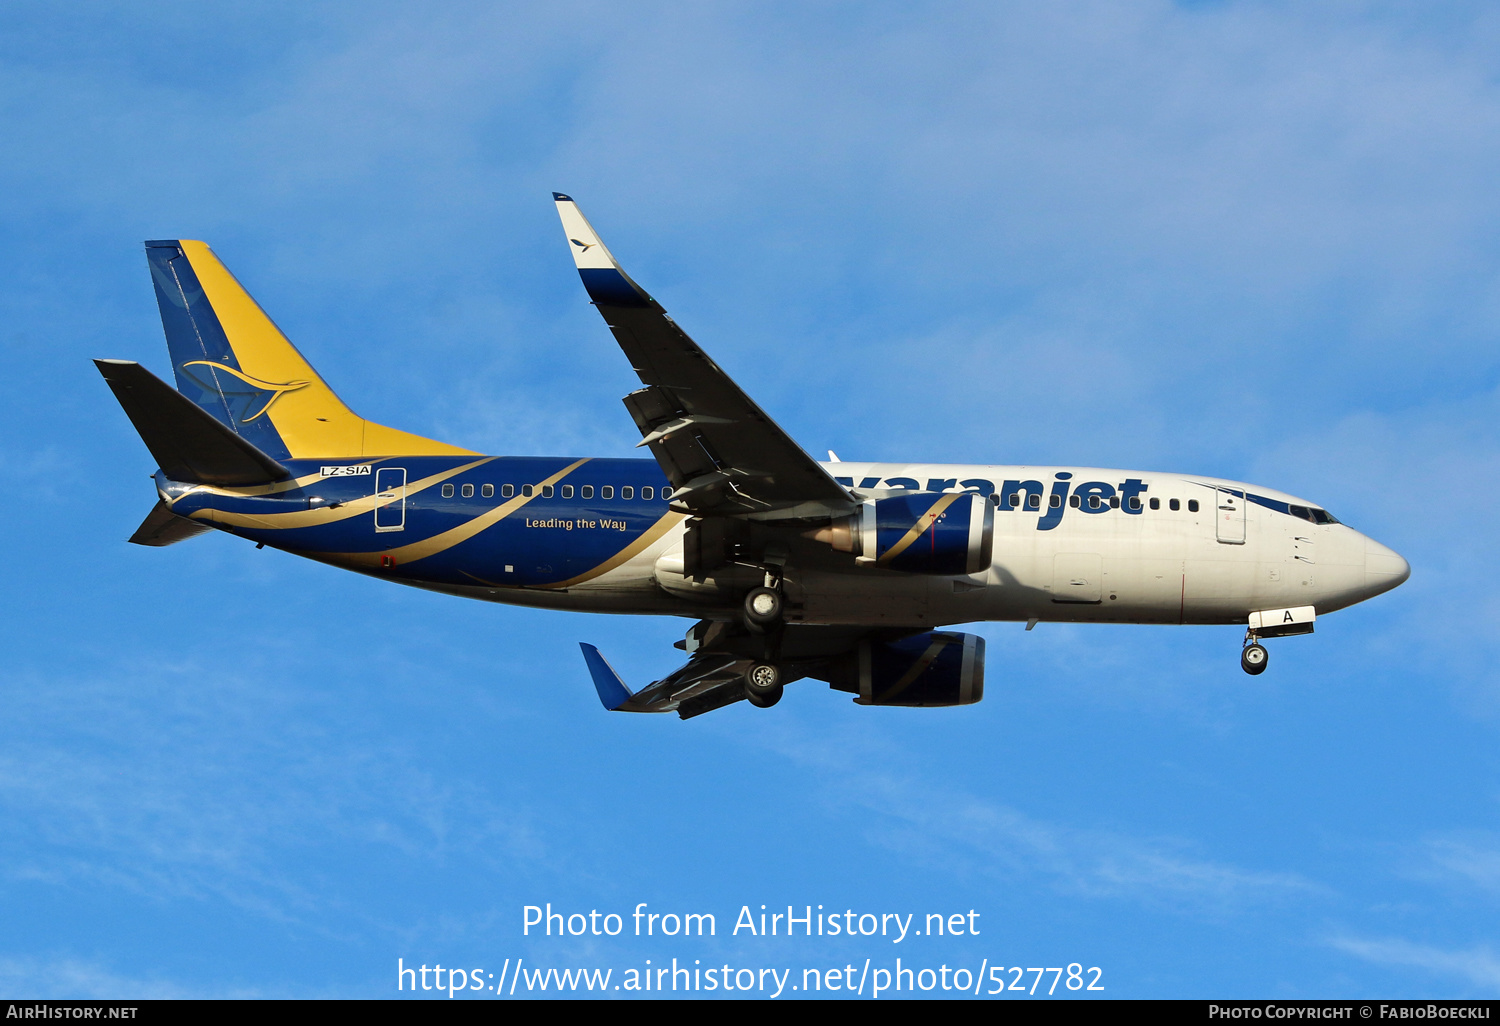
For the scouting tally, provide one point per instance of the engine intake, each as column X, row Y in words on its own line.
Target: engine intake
column 919, row 533
column 932, row 669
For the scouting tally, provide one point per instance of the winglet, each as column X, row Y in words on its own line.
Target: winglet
column 606, row 282
column 612, row 690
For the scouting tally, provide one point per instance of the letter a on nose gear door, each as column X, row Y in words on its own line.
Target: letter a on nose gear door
column 1229, row 517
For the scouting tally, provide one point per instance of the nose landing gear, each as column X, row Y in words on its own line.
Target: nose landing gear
column 1273, row 623
column 1254, row 657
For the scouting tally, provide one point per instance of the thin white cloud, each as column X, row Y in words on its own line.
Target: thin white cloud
column 951, row 830
column 77, row 979
column 1479, row 966
column 203, row 792
column 1472, row 860
column 989, row 838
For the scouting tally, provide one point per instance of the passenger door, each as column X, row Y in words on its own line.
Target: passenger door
column 390, row 496
column 1229, row 517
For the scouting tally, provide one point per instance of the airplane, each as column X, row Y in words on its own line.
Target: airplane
column 790, row 567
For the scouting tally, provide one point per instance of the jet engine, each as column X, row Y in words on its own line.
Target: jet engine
column 936, row 668
column 919, row 533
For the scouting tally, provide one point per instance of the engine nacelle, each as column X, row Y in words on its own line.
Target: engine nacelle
column 936, row 668
column 919, row 533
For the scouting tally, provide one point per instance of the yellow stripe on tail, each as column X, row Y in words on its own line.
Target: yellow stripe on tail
column 312, row 421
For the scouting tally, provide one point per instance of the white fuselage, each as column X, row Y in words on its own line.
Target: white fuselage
column 1234, row 554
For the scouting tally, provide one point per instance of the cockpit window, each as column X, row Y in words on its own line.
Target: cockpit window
column 1316, row 516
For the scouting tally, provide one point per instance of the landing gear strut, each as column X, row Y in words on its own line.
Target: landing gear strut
column 1254, row 657
column 763, row 685
column 764, row 614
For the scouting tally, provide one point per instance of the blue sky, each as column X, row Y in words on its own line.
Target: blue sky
column 1257, row 241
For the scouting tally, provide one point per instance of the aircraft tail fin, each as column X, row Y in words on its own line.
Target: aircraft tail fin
column 233, row 362
column 189, row 444
column 612, row 690
column 163, row 527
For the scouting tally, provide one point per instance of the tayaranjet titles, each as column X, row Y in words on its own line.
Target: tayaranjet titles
column 789, row 567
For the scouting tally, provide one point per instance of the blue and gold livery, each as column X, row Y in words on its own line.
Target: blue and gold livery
column 442, row 521
column 790, row 568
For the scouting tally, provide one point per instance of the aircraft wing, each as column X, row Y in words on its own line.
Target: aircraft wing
column 707, row 682
column 722, row 454
column 714, row 675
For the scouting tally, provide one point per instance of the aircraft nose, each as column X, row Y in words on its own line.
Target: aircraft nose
column 1384, row 568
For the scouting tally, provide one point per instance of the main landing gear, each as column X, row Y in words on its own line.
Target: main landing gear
column 763, row 685
column 763, row 611
column 1254, row 657
column 763, row 608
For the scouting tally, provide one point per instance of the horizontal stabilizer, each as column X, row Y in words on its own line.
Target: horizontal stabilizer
column 163, row 527
column 189, row 444
column 612, row 690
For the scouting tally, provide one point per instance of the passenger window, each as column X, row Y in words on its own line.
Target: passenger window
column 1156, row 504
column 647, row 492
column 1174, row 505
column 1073, row 501
column 1015, row 499
column 587, row 491
column 546, row 491
column 1093, row 502
column 567, row 491
column 666, row 492
column 487, row 491
column 627, row 492
column 994, row 498
column 447, row 491
column 527, row 490
column 1192, row 505
column 1054, row 501
column 506, row 491
column 1135, row 502
column 467, row 491
column 607, row 492
column 1114, row 502
column 1034, row 501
